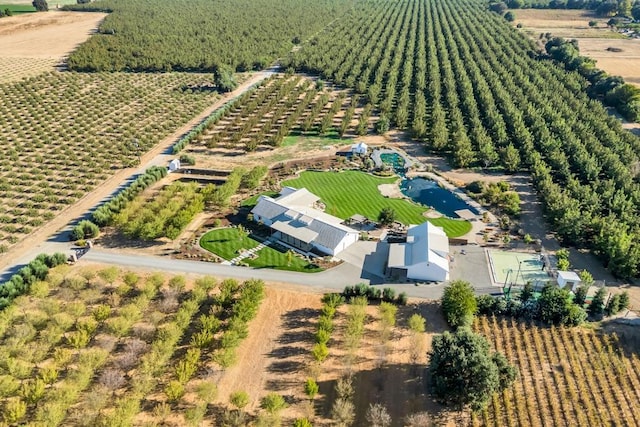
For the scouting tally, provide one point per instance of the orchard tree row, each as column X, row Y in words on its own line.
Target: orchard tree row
column 470, row 86
column 165, row 35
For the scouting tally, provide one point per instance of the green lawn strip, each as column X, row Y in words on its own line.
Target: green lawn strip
column 17, row 9
column 353, row 192
column 453, row 227
column 225, row 242
column 272, row 258
column 251, row 201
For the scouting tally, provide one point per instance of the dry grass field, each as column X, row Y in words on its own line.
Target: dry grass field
column 35, row 42
column 593, row 42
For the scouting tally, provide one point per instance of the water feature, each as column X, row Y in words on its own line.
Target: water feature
column 396, row 161
column 429, row 193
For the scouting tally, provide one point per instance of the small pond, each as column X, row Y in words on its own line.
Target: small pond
column 429, row 193
column 395, row 160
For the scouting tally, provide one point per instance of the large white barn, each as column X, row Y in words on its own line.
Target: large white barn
column 295, row 221
column 424, row 256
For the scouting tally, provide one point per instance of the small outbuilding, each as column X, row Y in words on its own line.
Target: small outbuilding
column 569, row 280
column 359, row 148
column 174, row 165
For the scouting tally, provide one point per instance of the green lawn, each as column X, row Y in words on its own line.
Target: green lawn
column 17, row 9
column 352, row 192
column 226, row 242
column 251, row 201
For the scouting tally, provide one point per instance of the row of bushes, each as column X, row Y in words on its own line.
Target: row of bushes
column 20, row 283
column 104, row 214
column 331, row 302
column 554, row 305
column 374, row 294
column 220, row 195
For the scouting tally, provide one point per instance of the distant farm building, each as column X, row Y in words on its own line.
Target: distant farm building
column 174, row 165
column 424, row 255
column 359, row 148
column 295, row 221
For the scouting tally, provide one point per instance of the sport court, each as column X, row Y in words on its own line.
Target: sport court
column 516, row 268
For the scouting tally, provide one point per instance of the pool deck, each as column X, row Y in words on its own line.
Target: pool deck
column 377, row 161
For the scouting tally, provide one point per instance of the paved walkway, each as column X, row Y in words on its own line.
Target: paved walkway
column 248, row 253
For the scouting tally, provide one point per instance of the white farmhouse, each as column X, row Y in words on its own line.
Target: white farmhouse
column 360, row 149
column 174, row 165
column 569, row 280
column 295, row 221
column 424, row 256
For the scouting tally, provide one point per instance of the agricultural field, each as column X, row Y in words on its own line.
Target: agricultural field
column 99, row 346
column 566, row 376
column 201, row 36
column 484, row 98
column 274, row 114
column 36, row 42
column 64, row 133
column 352, row 192
column 614, row 53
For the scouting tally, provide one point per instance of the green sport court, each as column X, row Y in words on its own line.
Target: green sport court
column 516, row 268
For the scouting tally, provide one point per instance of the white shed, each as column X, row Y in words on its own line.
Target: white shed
column 174, row 165
column 568, row 279
column 359, row 148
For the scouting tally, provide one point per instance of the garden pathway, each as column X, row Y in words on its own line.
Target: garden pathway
column 248, row 253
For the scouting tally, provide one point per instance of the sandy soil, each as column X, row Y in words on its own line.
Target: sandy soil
column 50, row 34
column 276, row 358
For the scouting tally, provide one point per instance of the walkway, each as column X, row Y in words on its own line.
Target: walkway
column 249, row 252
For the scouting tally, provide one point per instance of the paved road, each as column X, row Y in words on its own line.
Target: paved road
column 334, row 279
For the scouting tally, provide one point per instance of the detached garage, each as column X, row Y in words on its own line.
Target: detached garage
column 424, row 256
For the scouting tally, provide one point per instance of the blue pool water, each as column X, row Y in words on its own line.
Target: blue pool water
column 427, row 192
column 395, row 160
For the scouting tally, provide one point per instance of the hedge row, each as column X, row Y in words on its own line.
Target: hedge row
column 105, row 213
column 20, row 283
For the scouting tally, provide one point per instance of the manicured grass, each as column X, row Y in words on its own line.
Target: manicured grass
column 352, row 192
column 272, row 258
column 226, row 242
column 17, row 9
column 251, row 201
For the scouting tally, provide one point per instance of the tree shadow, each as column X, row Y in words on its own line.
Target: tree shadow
column 400, row 388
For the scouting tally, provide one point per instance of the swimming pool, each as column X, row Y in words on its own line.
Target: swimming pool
column 429, row 193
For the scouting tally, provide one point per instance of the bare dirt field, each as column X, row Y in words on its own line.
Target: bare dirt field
column 35, row 42
column 593, row 42
column 276, row 358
